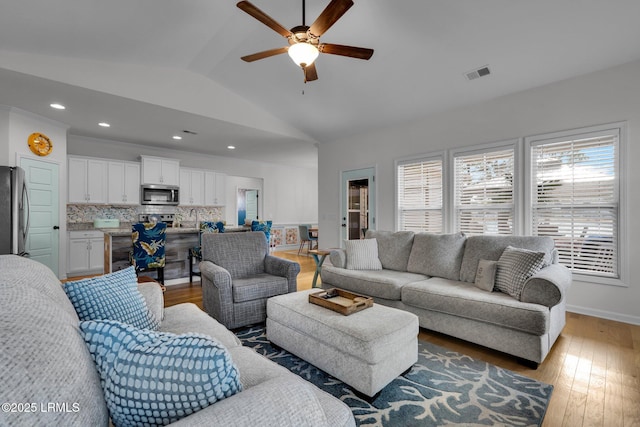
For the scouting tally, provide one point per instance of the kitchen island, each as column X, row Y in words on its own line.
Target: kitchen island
column 117, row 246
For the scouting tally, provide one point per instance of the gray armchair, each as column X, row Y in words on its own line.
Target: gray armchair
column 238, row 276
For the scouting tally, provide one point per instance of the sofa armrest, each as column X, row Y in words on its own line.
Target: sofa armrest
column 280, row 401
column 217, row 297
column 153, row 297
column 548, row 286
column 338, row 258
column 283, row 267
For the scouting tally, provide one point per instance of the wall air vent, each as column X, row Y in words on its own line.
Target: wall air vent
column 477, row 73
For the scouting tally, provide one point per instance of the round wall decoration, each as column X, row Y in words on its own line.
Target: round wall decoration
column 40, row 144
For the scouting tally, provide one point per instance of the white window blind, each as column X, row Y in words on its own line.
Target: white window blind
column 420, row 195
column 484, row 198
column 576, row 199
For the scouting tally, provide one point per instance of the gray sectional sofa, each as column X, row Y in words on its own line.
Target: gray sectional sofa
column 44, row 361
column 434, row 277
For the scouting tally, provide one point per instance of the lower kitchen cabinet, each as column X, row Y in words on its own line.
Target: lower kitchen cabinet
column 86, row 253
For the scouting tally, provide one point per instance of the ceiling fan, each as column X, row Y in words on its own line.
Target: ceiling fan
column 304, row 42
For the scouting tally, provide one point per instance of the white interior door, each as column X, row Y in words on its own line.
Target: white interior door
column 44, row 231
column 358, row 203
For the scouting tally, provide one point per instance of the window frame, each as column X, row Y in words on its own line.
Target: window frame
column 438, row 156
column 621, row 185
column 510, row 144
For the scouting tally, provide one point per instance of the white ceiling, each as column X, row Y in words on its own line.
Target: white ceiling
column 153, row 68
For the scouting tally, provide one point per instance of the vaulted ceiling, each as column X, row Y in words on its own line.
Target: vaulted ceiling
column 153, row 68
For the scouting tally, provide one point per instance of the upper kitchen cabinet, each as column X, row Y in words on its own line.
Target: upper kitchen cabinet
column 192, row 187
column 157, row 170
column 87, row 180
column 215, row 185
column 124, row 183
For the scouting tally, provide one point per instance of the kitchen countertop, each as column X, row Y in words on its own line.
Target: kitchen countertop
column 170, row 230
column 127, row 231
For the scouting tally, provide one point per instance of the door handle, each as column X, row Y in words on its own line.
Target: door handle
column 344, row 225
column 55, row 227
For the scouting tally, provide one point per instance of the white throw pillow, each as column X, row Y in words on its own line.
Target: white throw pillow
column 486, row 274
column 362, row 254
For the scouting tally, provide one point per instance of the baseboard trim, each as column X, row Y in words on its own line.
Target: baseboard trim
column 633, row 320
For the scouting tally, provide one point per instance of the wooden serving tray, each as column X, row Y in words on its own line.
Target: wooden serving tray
column 343, row 302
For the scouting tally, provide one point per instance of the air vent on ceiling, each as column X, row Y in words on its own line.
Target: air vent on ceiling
column 190, row 132
column 477, row 73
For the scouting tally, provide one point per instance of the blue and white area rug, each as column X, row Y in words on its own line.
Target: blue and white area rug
column 442, row 388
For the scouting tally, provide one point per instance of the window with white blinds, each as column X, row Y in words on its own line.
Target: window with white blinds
column 484, row 192
column 420, row 186
column 575, row 199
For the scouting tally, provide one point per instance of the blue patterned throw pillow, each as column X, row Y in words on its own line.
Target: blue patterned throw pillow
column 156, row 378
column 113, row 296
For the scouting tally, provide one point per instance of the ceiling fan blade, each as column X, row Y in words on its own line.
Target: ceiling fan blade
column 264, row 54
column 350, row 51
column 264, row 18
column 310, row 73
column 329, row 16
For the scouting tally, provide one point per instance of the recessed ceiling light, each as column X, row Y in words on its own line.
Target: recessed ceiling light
column 231, row 147
column 104, row 124
column 57, row 106
column 178, row 137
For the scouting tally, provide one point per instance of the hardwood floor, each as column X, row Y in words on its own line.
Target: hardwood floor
column 594, row 366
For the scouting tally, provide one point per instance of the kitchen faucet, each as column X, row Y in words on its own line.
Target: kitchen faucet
column 191, row 213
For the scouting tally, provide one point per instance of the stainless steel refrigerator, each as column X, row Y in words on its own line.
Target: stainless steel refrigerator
column 14, row 211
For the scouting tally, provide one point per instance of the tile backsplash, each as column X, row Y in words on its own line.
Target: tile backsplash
column 87, row 213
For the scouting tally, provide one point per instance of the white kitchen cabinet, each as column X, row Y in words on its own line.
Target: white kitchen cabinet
column 87, row 180
column 86, row 252
column 215, row 187
column 123, row 183
column 192, row 187
column 158, row 170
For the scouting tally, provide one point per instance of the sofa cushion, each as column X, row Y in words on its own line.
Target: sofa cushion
column 258, row 287
column 437, row 255
column 153, row 298
column 42, row 356
column 362, row 254
column 155, row 378
column 394, row 248
column 187, row 317
column 515, row 266
column 486, row 275
column 113, row 296
column 465, row 300
column 385, row 284
column 491, row 248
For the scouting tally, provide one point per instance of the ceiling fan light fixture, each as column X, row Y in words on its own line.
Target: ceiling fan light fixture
column 303, row 54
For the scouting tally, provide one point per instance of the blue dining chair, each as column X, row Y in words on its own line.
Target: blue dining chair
column 196, row 251
column 148, row 247
column 305, row 237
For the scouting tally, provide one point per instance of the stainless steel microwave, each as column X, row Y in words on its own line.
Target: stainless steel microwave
column 153, row 194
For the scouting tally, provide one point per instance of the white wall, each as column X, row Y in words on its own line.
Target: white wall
column 289, row 195
column 607, row 96
column 15, row 127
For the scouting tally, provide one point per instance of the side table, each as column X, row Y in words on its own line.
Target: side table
column 319, row 256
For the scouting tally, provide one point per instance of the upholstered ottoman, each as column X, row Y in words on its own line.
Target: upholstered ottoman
column 366, row 350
